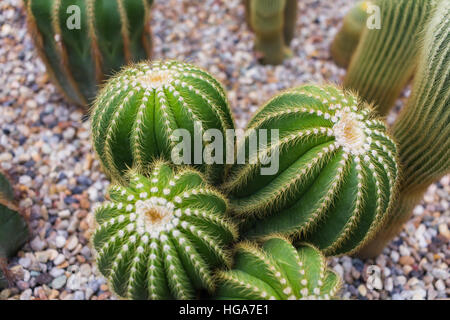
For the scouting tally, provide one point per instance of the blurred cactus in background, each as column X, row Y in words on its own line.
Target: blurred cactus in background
column 337, row 171
column 82, row 42
column 278, row 271
column 13, row 228
column 273, row 22
column 422, row 130
column 347, row 39
column 386, row 58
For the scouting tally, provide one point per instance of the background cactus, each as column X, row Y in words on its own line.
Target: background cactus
column 161, row 236
column 386, row 58
column 347, row 39
column 13, row 228
column 136, row 113
column 273, row 22
column 112, row 33
column 278, row 271
column 423, row 127
column 337, row 171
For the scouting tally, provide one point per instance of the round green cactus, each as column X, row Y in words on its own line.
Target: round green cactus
column 337, row 171
column 278, row 271
column 135, row 117
column 347, row 39
column 83, row 42
column 162, row 235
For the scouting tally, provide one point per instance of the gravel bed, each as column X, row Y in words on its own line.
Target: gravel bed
column 45, row 147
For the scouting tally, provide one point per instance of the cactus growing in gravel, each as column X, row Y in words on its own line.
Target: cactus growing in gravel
column 161, row 236
column 347, row 39
column 278, row 271
column 136, row 114
column 273, row 22
column 13, row 228
column 422, row 129
column 83, row 42
column 386, row 58
column 337, row 171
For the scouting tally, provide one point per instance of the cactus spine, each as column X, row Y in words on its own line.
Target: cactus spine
column 423, row 127
column 83, row 42
column 347, row 39
column 136, row 114
column 13, row 228
column 161, row 236
column 273, row 22
column 278, row 271
column 386, row 58
column 337, row 171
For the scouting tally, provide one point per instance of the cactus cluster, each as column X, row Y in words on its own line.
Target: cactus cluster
column 385, row 58
column 13, row 228
column 347, row 39
column 422, row 130
column 136, row 114
column 337, row 171
column 278, row 271
column 161, row 236
column 273, row 22
column 83, row 42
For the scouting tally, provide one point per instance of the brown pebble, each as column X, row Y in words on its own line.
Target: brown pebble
column 406, row 260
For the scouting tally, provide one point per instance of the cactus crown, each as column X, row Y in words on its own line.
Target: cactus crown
column 337, row 171
column 161, row 236
column 82, row 42
column 136, row 114
column 278, row 271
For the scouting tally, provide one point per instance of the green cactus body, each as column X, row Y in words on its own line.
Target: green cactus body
column 347, row 39
column 137, row 112
column 337, row 171
column 386, row 58
column 13, row 228
column 273, row 22
column 422, row 130
column 278, row 271
column 80, row 53
column 162, row 235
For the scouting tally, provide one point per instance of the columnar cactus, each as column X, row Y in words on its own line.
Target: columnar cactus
column 423, row 127
column 135, row 117
column 347, row 39
column 13, row 228
column 83, row 42
column 386, row 58
column 278, row 271
column 161, row 236
column 337, row 171
column 273, row 22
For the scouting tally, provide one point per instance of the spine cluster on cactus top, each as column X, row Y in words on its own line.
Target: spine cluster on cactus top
column 273, row 22
column 83, row 42
column 161, row 236
column 386, row 58
column 422, row 130
column 137, row 112
column 337, row 171
column 347, row 39
column 278, row 271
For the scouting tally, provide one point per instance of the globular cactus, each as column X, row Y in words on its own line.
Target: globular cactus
column 13, row 228
column 347, row 38
column 83, row 42
column 278, row 271
column 422, row 130
column 386, row 58
column 161, row 236
column 135, row 117
column 273, row 22
column 337, row 170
